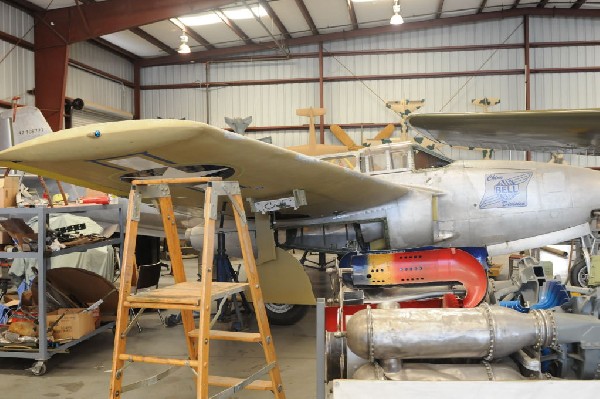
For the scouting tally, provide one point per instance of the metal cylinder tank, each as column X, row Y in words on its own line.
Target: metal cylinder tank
column 483, row 332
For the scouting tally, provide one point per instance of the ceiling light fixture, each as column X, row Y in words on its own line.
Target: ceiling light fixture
column 201, row 19
column 396, row 18
column 245, row 13
column 210, row 18
column 184, row 48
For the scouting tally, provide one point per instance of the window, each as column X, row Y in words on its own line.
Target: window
column 424, row 160
column 399, row 160
column 378, row 162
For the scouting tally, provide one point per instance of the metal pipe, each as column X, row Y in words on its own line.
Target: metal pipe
column 486, row 332
column 413, row 296
column 418, row 267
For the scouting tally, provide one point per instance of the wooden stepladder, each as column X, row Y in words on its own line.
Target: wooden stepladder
column 192, row 296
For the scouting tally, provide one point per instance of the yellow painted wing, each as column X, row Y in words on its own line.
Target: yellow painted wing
column 172, row 148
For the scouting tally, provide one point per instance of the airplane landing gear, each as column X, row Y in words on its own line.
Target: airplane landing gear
column 579, row 274
column 283, row 314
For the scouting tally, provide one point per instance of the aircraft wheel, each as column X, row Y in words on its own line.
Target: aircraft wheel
column 282, row 314
column 579, row 274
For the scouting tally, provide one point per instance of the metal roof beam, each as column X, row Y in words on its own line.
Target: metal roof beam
column 56, row 29
column 32, row 9
column 578, row 4
column 352, row 13
column 542, row 3
column 78, row 23
column 516, row 3
column 152, row 40
column 233, row 26
column 192, row 33
column 202, row 56
column 273, row 15
column 137, row 31
column 113, row 48
column 440, row 9
column 481, row 6
column 307, row 17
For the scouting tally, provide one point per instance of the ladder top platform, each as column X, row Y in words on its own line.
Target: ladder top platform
column 186, row 293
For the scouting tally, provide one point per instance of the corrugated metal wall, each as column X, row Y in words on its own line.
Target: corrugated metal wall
column 456, row 35
column 348, row 101
column 16, row 22
column 565, row 90
column 96, row 89
column 16, row 71
column 364, row 101
column 102, row 59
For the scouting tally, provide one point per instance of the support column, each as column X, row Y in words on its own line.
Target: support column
column 321, row 99
column 137, row 108
column 51, row 82
column 527, row 64
column 527, row 72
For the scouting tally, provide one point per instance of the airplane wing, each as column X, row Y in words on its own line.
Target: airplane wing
column 107, row 156
column 565, row 130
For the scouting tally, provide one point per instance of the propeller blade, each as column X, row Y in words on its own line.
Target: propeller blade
column 385, row 133
column 342, row 136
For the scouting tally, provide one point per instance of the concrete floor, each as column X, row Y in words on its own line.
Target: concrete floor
column 85, row 371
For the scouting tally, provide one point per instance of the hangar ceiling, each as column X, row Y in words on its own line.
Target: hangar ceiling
column 271, row 23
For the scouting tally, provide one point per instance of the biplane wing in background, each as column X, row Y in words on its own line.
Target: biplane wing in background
column 574, row 131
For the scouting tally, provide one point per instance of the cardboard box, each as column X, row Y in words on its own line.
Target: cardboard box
column 5, row 238
column 96, row 314
column 9, row 187
column 73, row 325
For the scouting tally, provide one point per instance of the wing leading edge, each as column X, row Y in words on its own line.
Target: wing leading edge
column 100, row 156
column 555, row 130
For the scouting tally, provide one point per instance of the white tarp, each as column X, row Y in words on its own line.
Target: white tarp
column 97, row 260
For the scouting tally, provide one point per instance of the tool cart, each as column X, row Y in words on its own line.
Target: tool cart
column 43, row 351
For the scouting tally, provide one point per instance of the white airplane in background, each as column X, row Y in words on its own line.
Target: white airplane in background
column 401, row 197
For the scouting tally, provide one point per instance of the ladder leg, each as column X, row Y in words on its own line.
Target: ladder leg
column 208, row 253
column 259, row 305
column 177, row 268
column 116, row 380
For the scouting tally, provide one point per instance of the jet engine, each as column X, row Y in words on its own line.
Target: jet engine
column 540, row 333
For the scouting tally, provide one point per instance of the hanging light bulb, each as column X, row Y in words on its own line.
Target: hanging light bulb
column 396, row 18
column 183, row 47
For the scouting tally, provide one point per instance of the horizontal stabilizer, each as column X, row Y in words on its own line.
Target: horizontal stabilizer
column 310, row 111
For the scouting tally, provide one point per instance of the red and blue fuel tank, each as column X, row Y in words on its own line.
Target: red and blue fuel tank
column 445, row 265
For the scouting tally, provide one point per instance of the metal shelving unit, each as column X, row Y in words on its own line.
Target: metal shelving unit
column 43, row 353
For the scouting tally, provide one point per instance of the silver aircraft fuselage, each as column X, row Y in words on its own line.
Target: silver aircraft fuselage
column 505, row 206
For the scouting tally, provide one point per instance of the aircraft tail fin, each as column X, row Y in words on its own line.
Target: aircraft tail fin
column 28, row 124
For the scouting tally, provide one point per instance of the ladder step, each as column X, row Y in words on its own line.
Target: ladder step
column 226, row 382
column 158, row 360
column 230, row 335
column 182, row 294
